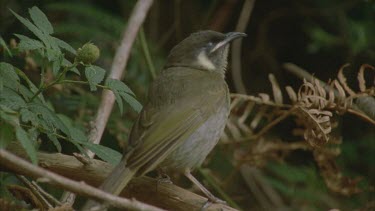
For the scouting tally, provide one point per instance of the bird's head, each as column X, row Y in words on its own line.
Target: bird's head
column 204, row 50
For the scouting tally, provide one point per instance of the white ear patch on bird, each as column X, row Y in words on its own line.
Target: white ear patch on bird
column 204, row 61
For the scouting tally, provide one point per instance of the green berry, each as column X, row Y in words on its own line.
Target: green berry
column 88, row 54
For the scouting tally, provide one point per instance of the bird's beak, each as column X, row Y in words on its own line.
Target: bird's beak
column 228, row 38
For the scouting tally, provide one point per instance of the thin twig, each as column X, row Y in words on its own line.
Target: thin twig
column 11, row 161
column 236, row 46
column 119, row 63
column 35, row 191
column 273, row 123
column 118, row 67
column 46, row 195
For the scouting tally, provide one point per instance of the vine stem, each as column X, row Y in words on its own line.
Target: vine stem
column 57, row 81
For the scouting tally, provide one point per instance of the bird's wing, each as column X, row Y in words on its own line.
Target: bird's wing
column 160, row 132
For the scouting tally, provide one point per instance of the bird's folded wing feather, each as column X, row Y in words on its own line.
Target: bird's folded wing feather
column 160, row 132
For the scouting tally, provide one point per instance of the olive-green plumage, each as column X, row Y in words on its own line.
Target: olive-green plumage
column 185, row 115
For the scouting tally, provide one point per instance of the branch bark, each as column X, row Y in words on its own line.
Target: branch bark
column 145, row 189
column 117, row 71
column 16, row 163
column 118, row 67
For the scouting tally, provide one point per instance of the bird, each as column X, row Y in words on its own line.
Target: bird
column 185, row 114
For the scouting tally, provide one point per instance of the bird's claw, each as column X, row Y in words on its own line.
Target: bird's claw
column 211, row 201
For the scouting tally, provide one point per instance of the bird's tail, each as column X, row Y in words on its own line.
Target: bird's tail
column 114, row 183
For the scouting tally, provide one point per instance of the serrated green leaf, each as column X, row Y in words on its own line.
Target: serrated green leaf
column 48, row 118
column 55, row 141
column 107, row 154
column 35, row 30
column 62, row 44
column 56, row 65
column 27, row 144
column 123, row 93
column 119, row 101
column 94, row 75
column 33, row 134
column 5, row 47
column 25, row 92
column 52, row 54
column 9, row 76
column 6, row 134
column 40, row 20
column 27, row 116
column 11, row 99
column 118, row 85
column 131, row 101
column 27, row 43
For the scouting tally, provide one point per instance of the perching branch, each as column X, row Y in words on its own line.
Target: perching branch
column 145, row 189
column 12, row 162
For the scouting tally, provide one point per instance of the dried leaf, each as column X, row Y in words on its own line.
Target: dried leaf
column 277, row 95
column 342, row 79
column 291, row 93
column 361, row 77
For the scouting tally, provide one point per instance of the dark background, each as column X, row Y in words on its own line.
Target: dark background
column 319, row 36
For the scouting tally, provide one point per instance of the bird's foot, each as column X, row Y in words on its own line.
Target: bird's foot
column 212, row 200
column 163, row 178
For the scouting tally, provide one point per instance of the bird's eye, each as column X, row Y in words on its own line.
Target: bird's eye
column 210, row 44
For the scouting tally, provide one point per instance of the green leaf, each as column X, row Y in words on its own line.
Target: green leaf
column 131, row 101
column 11, row 99
column 119, row 101
column 27, row 144
column 118, row 85
column 5, row 47
column 40, row 20
column 8, row 76
column 62, row 44
column 107, row 154
column 55, row 141
column 94, row 75
column 56, row 65
column 6, row 134
column 27, row 43
column 53, row 54
column 32, row 86
column 35, row 30
column 27, row 116
column 48, row 118
column 123, row 93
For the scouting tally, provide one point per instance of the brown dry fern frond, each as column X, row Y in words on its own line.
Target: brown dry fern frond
column 313, row 106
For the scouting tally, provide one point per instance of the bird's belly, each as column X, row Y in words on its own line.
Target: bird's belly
column 195, row 149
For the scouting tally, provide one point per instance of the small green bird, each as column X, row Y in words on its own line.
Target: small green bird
column 187, row 109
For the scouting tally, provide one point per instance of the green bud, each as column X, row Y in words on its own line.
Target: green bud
column 88, row 54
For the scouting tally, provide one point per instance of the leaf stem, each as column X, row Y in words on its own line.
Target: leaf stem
column 146, row 52
column 83, row 82
column 57, row 81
